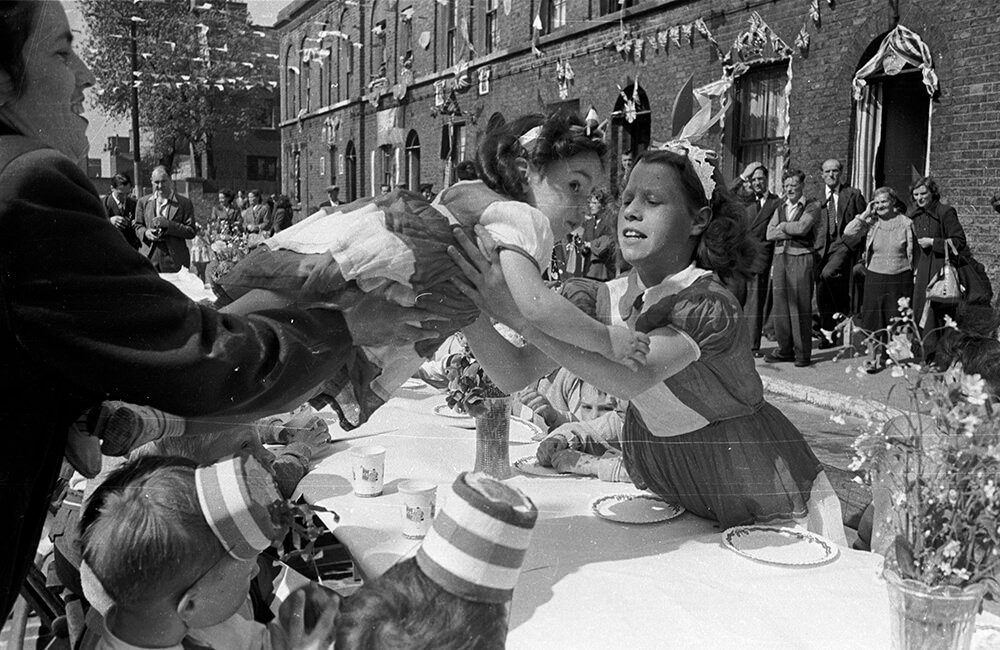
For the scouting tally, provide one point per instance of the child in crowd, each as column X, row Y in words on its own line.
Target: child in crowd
column 455, row 593
column 536, row 174
column 175, row 546
column 697, row 430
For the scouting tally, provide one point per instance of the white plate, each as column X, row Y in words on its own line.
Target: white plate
column 529, row 465
column 635, row 508
column 777, row 545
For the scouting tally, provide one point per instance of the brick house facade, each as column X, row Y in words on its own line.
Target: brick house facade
column 372, row 92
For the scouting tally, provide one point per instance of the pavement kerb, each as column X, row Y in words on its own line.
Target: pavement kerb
column 865, row 409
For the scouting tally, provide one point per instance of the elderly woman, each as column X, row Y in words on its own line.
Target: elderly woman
column 79, row 327
column 934, row 223
column 888, row 260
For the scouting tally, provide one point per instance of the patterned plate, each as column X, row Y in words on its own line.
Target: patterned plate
column 529, row 465
column 522, row 430
column 635, row 508
column 446, row 411
column 777, row 545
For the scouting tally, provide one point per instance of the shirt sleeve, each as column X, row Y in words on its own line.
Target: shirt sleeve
column 519, row 227
column 88, row 313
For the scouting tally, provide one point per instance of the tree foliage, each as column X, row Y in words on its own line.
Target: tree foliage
column 201, row 70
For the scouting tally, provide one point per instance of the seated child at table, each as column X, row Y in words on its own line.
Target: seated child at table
column 455, row 592
column 585, row 425
column 175, row 546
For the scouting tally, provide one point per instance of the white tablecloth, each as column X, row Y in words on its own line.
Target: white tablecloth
column 591, row 583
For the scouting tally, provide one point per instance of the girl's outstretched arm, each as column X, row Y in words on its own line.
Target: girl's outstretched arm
column 669, row 353
column 509, row 366
column 549, row 312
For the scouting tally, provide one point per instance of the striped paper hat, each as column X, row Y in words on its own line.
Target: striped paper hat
column 477, row 543
column 235, row 496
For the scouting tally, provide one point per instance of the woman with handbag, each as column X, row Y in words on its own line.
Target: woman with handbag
column 888, row 262
column 934, row 223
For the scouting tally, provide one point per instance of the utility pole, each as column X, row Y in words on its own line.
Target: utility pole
column 135, row 116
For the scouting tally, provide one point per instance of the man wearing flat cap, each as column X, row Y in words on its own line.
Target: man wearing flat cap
column 333, row 191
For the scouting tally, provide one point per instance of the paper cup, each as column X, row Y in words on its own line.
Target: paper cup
column 367, row 469
column 418, row 507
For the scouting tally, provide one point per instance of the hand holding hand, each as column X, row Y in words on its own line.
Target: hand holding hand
column 549, row 447
column 628, row 347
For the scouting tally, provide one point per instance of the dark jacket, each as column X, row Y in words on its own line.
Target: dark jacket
column 940, row 221
column 111, row 209
column 169, row 253
column 84, row 317
column 758, row 217
column 850, row 203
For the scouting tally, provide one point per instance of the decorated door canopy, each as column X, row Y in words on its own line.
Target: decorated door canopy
column 900, row 47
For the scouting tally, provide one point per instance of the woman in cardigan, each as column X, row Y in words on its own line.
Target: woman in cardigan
column 888, row 260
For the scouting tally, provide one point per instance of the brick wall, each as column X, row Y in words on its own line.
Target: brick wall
column 962, row 35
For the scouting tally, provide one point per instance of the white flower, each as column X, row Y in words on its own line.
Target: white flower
column 899, row 347
column 949, row 322
column 951, row 549
column 903, row 303
column 974, row 389
column 838, row 418
column 847, row 370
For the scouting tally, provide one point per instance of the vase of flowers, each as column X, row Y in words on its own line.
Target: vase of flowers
column 935, row 471
column 471, row 391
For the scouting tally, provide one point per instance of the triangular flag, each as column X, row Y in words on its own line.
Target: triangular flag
column 536, row 24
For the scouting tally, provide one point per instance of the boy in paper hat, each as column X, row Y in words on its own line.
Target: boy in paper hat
column 454, row 593
column 174, row 546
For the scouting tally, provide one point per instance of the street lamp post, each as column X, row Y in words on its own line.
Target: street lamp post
column 135, row 116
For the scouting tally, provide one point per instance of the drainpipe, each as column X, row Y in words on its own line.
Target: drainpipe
column 363, row 153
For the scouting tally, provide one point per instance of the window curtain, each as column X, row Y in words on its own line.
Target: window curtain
column 867, row 139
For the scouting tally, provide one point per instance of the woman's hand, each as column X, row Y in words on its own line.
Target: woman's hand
column 309, row 602
column 485, row 285
column 925, row 242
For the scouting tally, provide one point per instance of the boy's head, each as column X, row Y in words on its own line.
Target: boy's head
column 454, row 592
column 403, row 609
column 162, row 535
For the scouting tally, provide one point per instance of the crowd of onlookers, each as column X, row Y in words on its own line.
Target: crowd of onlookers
column 836, row 263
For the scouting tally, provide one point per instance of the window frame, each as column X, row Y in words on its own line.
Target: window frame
column 746, row 149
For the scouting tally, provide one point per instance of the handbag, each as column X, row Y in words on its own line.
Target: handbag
column 945, row 288
column 975, row 282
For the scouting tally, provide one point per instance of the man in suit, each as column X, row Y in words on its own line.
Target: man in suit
column 119, row 205
column 792, row 229
column 759, row 211
column 165, row 221
column 834, row 259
